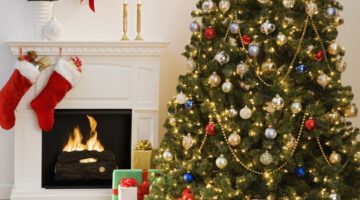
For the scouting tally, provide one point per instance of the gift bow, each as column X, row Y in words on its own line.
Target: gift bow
column 91, row 4
column 144, row 188
column 143, row 145
column 128, row 182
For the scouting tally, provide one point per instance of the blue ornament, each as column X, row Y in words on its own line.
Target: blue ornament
column 188, row 177
column 300, row 171
column 254, row 50
column 189, row 104
column 331, row 12
column 301, row 68
column 194, row 27
column 234, row 28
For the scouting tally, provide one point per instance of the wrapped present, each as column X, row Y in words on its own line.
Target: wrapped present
column 128, row 189
column 142, row 155
column 140, row 175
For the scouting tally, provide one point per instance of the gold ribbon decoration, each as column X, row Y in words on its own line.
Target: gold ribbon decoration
column 143, row 145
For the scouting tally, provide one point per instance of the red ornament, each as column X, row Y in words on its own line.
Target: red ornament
column 246, row 39
column 319, row 56
column 186, row 195
column 210, row 129
column 310, row 124
column 209, row 33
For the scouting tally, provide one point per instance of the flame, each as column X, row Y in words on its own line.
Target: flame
column 75, row 139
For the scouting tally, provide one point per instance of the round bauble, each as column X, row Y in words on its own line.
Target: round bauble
column 281, row 39
column 335, row 158
column 267, row 27
column 266, row 158
column 234, row 139
column 296, row 107
column 181, row 98
column 242, row 68
column 234, row 28
column 207, row 6
column 264, row 1
column 232, row 112
column 191, row 64
column 224, row 6
column 172, row 121
column 227, row 86
column 334, row 196
column 323, row 80
column 331, row 12
column 341, row 66
column 338, row 21
column 300, row 68
column 188, row 177
column 222, row 58
column 270, row 133
column 167, row 155
column 188, row 141
column 209, row 33
column 245, row 113
column 194, row 27
column 254, row 50
column 311, row 8
column 189, row 104
column 210, row 129
column 310, row 124
column 319, row 56
column 351, row 111
column 278, row 102
column 289, row 3
column 300, row 171
column 214, row 80
column 221, row 162
column 334, row 48
column 268, row 66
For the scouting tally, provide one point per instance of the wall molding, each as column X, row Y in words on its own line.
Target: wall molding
column 5, row 191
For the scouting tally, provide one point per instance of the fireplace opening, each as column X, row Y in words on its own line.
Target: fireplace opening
column 84, row 147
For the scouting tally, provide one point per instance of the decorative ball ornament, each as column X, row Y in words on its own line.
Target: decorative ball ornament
column 300, row 171
column 189, row 104
column 172, row 121
column 167, row 155
column 338, row 21
column 334, row 196
column 224, row 6
column 267, row 27
column 311, row 8
column 222, row 58
column 335, row 158
column 296, row 107
column 278, row 102
column 254, row 49
column 221, row 162
column 232, row 112
column 188, row 141
column 331, row 12
column 188, row 177
column 264, row 1
column 334, row 48
column 245, row 113
column 242, row 68
column 323, row 80
column 246, row 39
column 333, row 117
column 351, row 111
column 281, row 39
column 194, row 27
column 234, row 139
column 181, row 98
column 210, row 129
column 227, row 86
column 191, row 64
column 266, row 158
column 300, row 68
column 319, row 56
column 270, row 133
column 207, row 6
column 234, row 28
column 341, row 66
column 310, row 124
column 288, row 3
column 209, row 33
column 214, row 80
column 268, row 66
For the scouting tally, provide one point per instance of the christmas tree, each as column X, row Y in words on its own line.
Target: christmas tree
column 262, row 114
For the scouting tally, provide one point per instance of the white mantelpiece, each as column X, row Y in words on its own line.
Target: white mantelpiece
column 116, row 75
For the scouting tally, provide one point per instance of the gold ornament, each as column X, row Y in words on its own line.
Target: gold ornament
column 167, row 155
column 268, row 66
column 311, row 8
column 323, row 80
column 335, row 158
column 351, row 111
column 333, row 117
column 234, row 139
column 224, row 6
column 338, row 21
column 296, row 107
column 289, row 3
column 221, row 162
column 227, row 86
column 214, row 80
column 242, row 68
column 187, row 141
column 266, row 158
column 334, row 48
column 281, row 39
column 144, row 145
column 245, row 113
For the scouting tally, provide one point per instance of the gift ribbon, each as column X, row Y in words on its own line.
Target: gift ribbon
column 144, row 188
column 91, row 4
column 128, row 182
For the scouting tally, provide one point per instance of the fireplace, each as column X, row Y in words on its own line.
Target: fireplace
column 84, row 148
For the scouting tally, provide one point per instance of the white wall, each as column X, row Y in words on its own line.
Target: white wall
column 164, row 20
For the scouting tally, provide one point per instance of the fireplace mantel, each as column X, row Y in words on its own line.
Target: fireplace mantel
column 116, row 75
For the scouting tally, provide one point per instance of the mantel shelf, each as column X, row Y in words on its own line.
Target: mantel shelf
column 98, row 48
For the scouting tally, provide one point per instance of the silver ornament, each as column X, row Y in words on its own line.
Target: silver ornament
column 334, row 48
column 268, row 66
column 267, row 27
column 187, row 141
column 311, row 8
column 281, row 39
column 232, row 112
column 214, row 80
column 334, row 196
column 278, row 102
column 331, row 12
column 245, row 113
column 323, row 80
column 289, row 3
column 296, row 107
column 270, row 133
column 266, row 158
column 227, row 86
column 254, row 49
column 207, row 6
column 221, row 162
column 234, row 139
column 242, row 68
column 224, row 6
column 194, row 27
column 181, row 98
column 191, row 64
column 234, row 28
column 167, row 155
column 341, row 66
column 222, row 58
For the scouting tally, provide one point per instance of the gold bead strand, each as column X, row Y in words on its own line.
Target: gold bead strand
column 322, row 151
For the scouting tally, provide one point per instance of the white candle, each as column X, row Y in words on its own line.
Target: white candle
column 125, row 2
column 139, row 1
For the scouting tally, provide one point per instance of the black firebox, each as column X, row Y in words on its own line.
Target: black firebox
column 84, row 147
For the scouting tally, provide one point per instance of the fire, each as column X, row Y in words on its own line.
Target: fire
column 75, row 139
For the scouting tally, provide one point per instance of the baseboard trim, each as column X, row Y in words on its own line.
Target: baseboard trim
column 5, row 191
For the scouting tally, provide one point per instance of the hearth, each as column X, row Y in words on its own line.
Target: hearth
column 84, row 148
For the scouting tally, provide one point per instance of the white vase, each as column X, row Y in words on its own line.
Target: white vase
column 41, row 12
column 53, row 30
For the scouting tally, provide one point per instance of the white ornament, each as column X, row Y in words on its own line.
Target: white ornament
column 227, row 86
column 312, row 8
column 278, row 102
column 187, row 141
column 266, row 158
column 234, row 139
column 254, row 49
column 222, row 58
column 172, row 121
column 268, row 66
column 267, row 27
column 289, row 3
column 224, row 6
column 208, row 6
column 221, row 162
column 334, row 196
column 232, row 112
column 214, row 80
column 53, row 30
column 242, row 68
column 296, row 107
column 245, row 113
column 167, row 155
column 270, row 133
column 323, row 80
column 181, row 98
column 191, row 64
column 281, row 39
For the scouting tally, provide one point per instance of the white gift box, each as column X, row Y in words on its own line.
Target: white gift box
column 128, row 193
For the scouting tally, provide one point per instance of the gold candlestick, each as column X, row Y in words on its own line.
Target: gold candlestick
column 125, row 20
column 138, row 29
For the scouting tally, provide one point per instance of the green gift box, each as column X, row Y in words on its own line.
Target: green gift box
column 137, row 174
